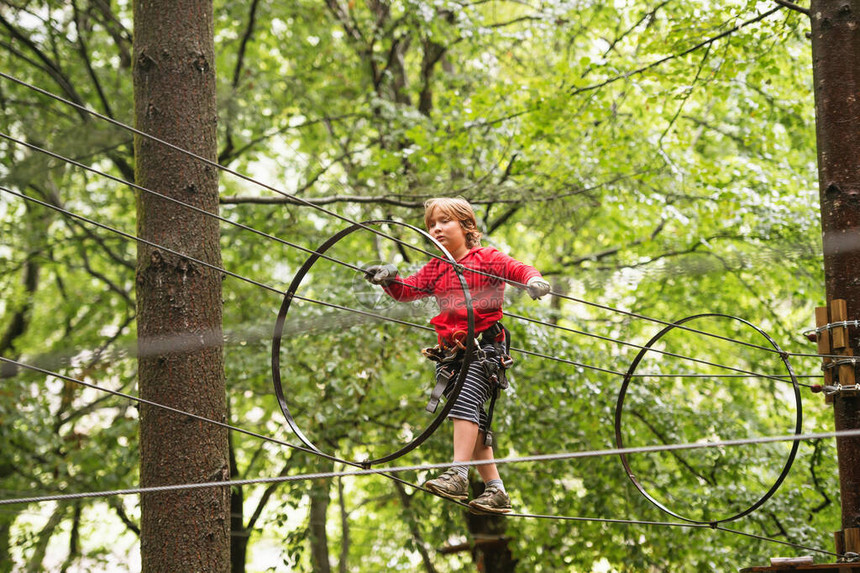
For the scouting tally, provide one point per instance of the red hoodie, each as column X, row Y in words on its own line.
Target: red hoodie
column 438, row 278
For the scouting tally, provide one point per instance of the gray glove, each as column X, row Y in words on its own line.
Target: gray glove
column 382, row 275
column 537, row 287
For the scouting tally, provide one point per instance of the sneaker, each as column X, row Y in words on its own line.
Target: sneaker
column 450, row 484
column 493, row 500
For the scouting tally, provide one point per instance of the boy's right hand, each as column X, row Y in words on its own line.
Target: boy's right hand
column 382, row 275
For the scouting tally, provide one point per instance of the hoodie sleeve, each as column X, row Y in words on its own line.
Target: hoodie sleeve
column 419, row 285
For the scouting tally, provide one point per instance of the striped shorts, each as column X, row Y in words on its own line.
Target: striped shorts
column 476, row 390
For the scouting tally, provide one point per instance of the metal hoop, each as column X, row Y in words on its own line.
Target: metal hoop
column 620, row 405
column 285, row 308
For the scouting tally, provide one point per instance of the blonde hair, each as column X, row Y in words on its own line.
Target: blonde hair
column 458, row 209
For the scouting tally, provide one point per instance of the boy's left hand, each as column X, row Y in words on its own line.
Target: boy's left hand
column 537, row 287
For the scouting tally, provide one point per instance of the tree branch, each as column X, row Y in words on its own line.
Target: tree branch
column 702, row 123
column 501, row 220
column 793, row 6
column 576, row 91
column 345, row 539
column 246, row 37
column 18, row 324
column 342, row 15
column 85, row 56
column 116, row 504
column 606, row 253
column 227, row 156
column 431, row 55
column 101, row 242
column 103, row 278
column 264, row 499
column 816, row 482
column 679, row 458
column 237, row 75
column 419, row 202
column 649, row 15
column 51, row 67
column 420, row 544
column 74, row 539
column 44, row 537
column 280, row 200
column 116, row 30
column 54, row 198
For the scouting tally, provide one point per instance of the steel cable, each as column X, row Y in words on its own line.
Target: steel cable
column 389, row 472
column 336, row 215
column 340, row 262
column 270, row 288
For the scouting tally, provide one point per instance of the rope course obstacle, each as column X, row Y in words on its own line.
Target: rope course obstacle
column 285, row 308
column 320, row 253
column 619, row 437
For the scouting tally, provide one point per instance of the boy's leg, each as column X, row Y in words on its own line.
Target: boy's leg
column 494, row 499
column 465, row 439
column 481, row 452
column 454, row 483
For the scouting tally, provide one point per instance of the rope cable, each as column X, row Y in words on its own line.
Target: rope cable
column 539, row 458
column 344, row 308
column 343, row 218
column 265, row 286
column 641, row 347
column 772, row 540
column 181, row 203
column 167, row 408
column 390, row 472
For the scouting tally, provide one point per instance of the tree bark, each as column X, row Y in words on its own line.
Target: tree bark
column 836, row 76
column 319, row 495
column 491, row 551
column 6, row 521
column 238, row 534
column 180, row 360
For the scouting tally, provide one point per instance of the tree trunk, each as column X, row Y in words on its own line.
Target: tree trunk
column 836, row 76
column 490, row 551
column 318, row 519
column 239, row 535
column 6, row 521
column 44, row 538
column 180, row 360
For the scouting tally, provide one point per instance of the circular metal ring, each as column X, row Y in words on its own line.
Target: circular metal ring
column 619, row 406
column 285, row 308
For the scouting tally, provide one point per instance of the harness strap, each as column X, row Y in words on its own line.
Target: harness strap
column 443, row 377
column 494, row 368
column 496, row 373
column 488, row 437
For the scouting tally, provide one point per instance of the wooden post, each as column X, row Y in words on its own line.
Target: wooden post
column 835, row 39
column 822, row 319
column 834, row 338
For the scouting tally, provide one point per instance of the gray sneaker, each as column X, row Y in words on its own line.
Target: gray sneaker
column 450, row 484
column 493, row 500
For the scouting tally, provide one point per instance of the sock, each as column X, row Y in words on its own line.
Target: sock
column 462, row 470
column 497, row 483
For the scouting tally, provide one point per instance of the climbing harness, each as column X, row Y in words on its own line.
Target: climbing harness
column 449, row 354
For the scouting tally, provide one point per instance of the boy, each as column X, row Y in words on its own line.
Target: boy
column 451, row 221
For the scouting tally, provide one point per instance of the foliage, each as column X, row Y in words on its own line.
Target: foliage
column 655, row 157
